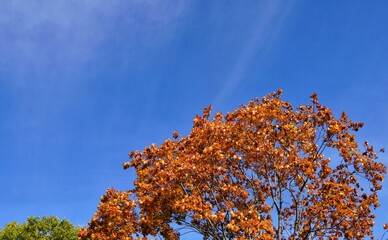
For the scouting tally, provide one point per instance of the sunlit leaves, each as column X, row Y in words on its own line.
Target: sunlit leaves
column 40, row 228
column 115, row 218
column 259, row 172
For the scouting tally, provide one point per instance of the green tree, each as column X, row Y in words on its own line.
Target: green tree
column 45, row 228
column 10, row 232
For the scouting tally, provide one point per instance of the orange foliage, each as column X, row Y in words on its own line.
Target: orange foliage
column 256, row 173
column 115, row 218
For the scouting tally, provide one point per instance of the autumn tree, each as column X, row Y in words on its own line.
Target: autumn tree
column 265, row 171
column 45, row 228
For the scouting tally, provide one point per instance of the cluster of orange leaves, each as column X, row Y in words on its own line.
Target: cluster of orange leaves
column 116, row 218
column 256, row 173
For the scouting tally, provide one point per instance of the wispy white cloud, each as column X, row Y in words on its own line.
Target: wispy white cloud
column 47, row 46
column 269, row 22
column 37, row 35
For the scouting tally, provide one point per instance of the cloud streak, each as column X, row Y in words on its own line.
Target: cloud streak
column 51, row 52
column 66, row 34
column 269, row 23
column 48, row 47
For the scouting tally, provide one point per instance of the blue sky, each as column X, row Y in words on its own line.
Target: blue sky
column 82, row 83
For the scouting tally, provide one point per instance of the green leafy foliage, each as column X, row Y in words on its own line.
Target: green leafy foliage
column 45, row 228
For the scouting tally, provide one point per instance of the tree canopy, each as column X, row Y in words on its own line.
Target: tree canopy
column 45, row 228
column 264, row 171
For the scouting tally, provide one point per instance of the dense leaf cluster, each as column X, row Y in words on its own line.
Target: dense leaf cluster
column 45, row 228
column 265, row 171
